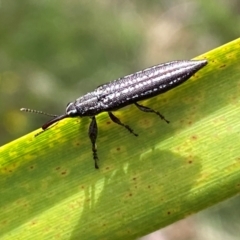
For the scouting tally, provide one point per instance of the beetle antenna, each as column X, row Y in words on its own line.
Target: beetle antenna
column 38, row 112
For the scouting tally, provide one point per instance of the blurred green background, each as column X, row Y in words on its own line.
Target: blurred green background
column 52, row 52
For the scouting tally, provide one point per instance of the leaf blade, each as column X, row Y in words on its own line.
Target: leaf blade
column 167, row 173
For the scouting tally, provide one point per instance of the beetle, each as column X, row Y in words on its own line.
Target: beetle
column 124, row 91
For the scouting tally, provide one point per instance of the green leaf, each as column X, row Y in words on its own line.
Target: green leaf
column 50, row 189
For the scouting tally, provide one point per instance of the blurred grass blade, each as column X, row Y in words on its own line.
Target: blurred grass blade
column 50, row 189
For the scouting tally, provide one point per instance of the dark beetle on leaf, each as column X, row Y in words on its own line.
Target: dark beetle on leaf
column 124, row 91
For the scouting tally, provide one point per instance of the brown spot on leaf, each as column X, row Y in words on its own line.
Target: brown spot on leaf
column 4, row 222
column 194, row 137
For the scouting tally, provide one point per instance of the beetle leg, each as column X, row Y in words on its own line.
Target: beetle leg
column 117, row 121
column 147, row 109
column 92, row 133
